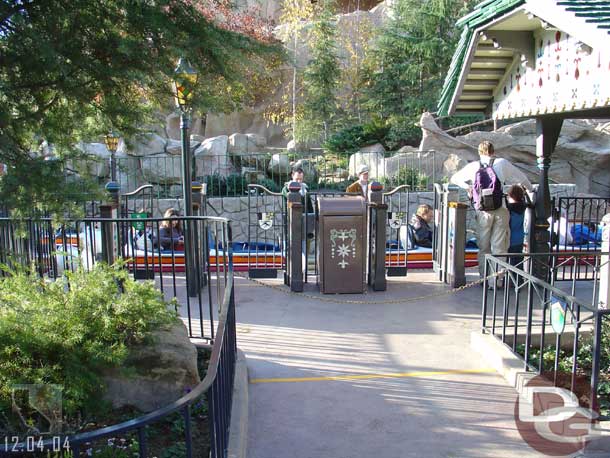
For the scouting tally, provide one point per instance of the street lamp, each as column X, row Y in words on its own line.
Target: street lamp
column 112, row 143
column 185, row 81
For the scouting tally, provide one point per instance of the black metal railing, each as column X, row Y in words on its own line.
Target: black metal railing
column 144, row 245
column 228, row 175
column 525, row 313
column 32, row 241
column 399, row 237
column 267, row 232
column 575, row 225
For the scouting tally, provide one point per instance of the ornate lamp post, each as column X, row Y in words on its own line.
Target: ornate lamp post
column 185, row 80
column 112, row 143
column 112, row 187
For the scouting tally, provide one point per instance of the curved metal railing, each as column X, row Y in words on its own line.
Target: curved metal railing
column 215, row 389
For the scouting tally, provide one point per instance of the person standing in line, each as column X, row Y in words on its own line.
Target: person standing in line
column 516, row 204
column 362, row 185
column 484, row 179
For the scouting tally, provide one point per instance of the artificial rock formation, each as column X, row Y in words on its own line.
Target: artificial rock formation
column 582, row 155
column 159, row 372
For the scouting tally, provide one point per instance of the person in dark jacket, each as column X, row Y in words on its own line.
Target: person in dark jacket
column 516, row 204
column 421, row 221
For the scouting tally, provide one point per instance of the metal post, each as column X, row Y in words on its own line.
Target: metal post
column 604, row 263
column 189, row 253
column 456, row 244
column 377, row 237
column 295, row 237
column 450, row 194
column 107, row 229
column 112, row 165
column 547, row 131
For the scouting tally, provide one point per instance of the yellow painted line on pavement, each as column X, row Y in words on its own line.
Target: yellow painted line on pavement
column 371, row 376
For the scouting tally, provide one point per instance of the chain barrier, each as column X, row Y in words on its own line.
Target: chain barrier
column 286, row 290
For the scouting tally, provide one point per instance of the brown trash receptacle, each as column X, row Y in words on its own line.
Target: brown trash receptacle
column 342, row 244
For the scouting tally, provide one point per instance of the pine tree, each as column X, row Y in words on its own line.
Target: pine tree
column 320, row 79
column 72, row 70
column 412, row 54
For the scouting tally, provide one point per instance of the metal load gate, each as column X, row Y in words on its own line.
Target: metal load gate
column 265, row 248
column 304, row 234
column 449, row 241
column 399, row 233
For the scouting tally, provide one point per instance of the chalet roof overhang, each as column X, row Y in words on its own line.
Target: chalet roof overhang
column 499, row 34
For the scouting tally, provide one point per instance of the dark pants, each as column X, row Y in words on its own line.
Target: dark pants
column 516, row 260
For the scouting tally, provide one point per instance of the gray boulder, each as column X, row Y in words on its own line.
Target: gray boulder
column 582, row 155
column 309, row 168
column 246, row 143
column 161, row 169
column 159, row 372
column 408, row 158
column 212, row 157
column 374, row 160
column 249, row 150
column 279, row 165
column 144, row 145
column 96, row 161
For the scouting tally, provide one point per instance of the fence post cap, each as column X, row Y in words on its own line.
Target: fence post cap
column 294, row 186
column 376, row 186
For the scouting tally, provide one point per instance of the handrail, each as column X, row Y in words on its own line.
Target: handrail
column 175, row 406
column 396, row 189
column 218, row 219
column 140, row 189
column 266, row 190
column 188, row 398
column 495, row 258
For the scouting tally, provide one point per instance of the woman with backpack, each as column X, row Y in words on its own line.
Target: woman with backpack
column 484, row 179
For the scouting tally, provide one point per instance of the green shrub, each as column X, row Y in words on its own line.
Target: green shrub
column 232, row 185
column 69, row 331
column 403, row 131
column 270, row 184
column 355, row 137
column 409, row 176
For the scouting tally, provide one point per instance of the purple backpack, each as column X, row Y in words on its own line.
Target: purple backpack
column 487, row 188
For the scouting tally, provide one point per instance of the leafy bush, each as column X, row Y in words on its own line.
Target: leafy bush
column 403, row 131
column 355, row 137
column 68, row 331
column 409, row 176
column 270, row 184
column 232, row 185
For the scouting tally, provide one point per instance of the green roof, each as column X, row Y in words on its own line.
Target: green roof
column 596, row 12
column 483, row 13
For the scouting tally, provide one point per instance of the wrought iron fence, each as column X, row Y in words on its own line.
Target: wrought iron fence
column 575, row 225
column 229, row 175
column 151, row 248
column 529, row 316
column 44, row 245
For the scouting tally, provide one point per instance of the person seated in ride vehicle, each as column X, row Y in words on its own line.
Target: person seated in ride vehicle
column 144, row 239
column 421, row 223
column 170, row 230
column 362, row 185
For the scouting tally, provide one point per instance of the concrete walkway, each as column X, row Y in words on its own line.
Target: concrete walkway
column 372, row 380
